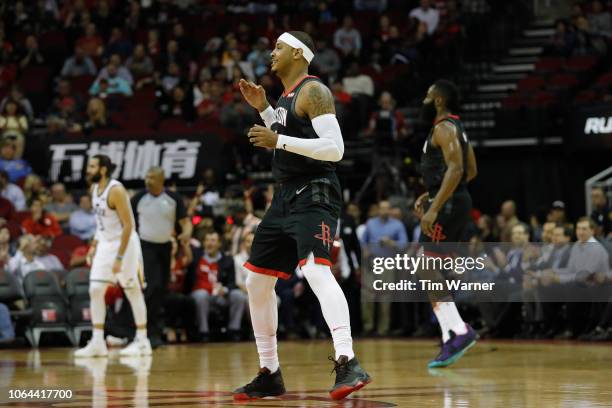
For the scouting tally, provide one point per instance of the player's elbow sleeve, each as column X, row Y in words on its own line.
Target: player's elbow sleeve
column 327, row 127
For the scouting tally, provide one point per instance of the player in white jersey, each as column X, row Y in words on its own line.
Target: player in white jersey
column 116, row 257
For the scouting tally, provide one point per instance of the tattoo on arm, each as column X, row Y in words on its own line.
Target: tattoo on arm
column 320, row 101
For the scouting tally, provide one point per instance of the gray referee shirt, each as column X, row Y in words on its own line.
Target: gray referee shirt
column 157, row 216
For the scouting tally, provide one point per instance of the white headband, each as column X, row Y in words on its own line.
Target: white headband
column 295, row 43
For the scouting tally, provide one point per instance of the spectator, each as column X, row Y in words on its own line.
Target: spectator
column 16, row 95
column 7, row 211
column 374, row 5
column 171, row 79
column 259, row 58
column 7, row 250
column 587, row 42
column 15, row 168
column 139, row 63
column 236, row 114
column 33, row 186
column 113, row 85
column 39, row 222
column 49, row 261
column 61, row 206
column 79, row 64
column 383, row 236
column 118, row 44
column 600, row 20
column 24, row 261
column 602, row 213
column 121, row 71
column 211, row 282
column 179, row 308
column 240, row 259
column 347, row 39
column 205, row 104
column 519, row 255
column 326, row 61
column 153, row 44
column 31, row 55
column 103, row 18
column 91, row 43
column 12, row 192
column 185, row 43
column 244, row 223
column 14, row 126
column 82, row 221
column 357, row 83
column 562, row 41
column 178, row 106
column 96, row 117
column 557, row 213
column 64, row 115
column 588, row 258
column 387, row 124
column 427, row 14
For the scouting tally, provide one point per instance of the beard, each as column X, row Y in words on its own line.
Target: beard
column 428, row 113
column 95, row 178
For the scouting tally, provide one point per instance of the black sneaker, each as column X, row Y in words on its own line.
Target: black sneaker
column 350, row 377
column 265, row 384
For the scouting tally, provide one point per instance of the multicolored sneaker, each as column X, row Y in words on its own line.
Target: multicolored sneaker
column 454, row 348
column 265, row 384
column 350, row 377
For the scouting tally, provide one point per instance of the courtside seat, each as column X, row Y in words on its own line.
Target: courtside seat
column 77, row 291
column 48, row 304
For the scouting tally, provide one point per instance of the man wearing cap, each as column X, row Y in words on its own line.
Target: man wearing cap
column 299, row 227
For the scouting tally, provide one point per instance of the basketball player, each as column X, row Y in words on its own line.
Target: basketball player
column 116, row 258
column 299, row 227
column 447, row 165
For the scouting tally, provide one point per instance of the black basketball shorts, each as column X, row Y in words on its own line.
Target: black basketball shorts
column 302, row 218
column 451, row 226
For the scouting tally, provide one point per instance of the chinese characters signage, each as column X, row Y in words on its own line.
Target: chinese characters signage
column 181, row 158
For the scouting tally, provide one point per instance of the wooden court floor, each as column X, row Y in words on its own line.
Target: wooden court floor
column 492, row 374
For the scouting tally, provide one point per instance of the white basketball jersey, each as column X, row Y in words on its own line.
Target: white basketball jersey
column 108, row 224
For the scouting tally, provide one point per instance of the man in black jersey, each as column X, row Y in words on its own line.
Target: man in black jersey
column 447, row 165
column 299, row 227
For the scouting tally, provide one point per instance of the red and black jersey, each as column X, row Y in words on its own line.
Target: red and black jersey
column 288, row 166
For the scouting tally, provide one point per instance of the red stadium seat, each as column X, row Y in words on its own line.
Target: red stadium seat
column 63, row 246
column 605, row 79
column 581, row 64
column 550, row 65
column 563, row 81
column 81, row 84
column 531, row 83
column 173, row 125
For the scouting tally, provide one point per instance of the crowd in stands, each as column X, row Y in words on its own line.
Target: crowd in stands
column 83, row 66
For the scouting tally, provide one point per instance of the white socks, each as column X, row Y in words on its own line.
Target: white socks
column 333, row 305
column 268, row 352
column 264, row 317
column 449, row 319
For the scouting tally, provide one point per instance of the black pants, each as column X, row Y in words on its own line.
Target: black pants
column 156, row 258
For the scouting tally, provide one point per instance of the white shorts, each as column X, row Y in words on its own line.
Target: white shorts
column 131, row 268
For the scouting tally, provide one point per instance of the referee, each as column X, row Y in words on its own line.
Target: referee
column 157, row 212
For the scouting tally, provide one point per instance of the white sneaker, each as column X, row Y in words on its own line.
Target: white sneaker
column 113, row 341
column 92, row 349
column 137, row 348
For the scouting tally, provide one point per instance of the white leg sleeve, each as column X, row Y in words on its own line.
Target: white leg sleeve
column 97, row 306
column 333, row 305
column 264, row 317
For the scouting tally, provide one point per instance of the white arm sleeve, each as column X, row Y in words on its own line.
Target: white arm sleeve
column 267, row 116
column 328, row 147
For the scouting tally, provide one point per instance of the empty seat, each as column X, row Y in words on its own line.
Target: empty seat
column 77, row 291
column 48, row 304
